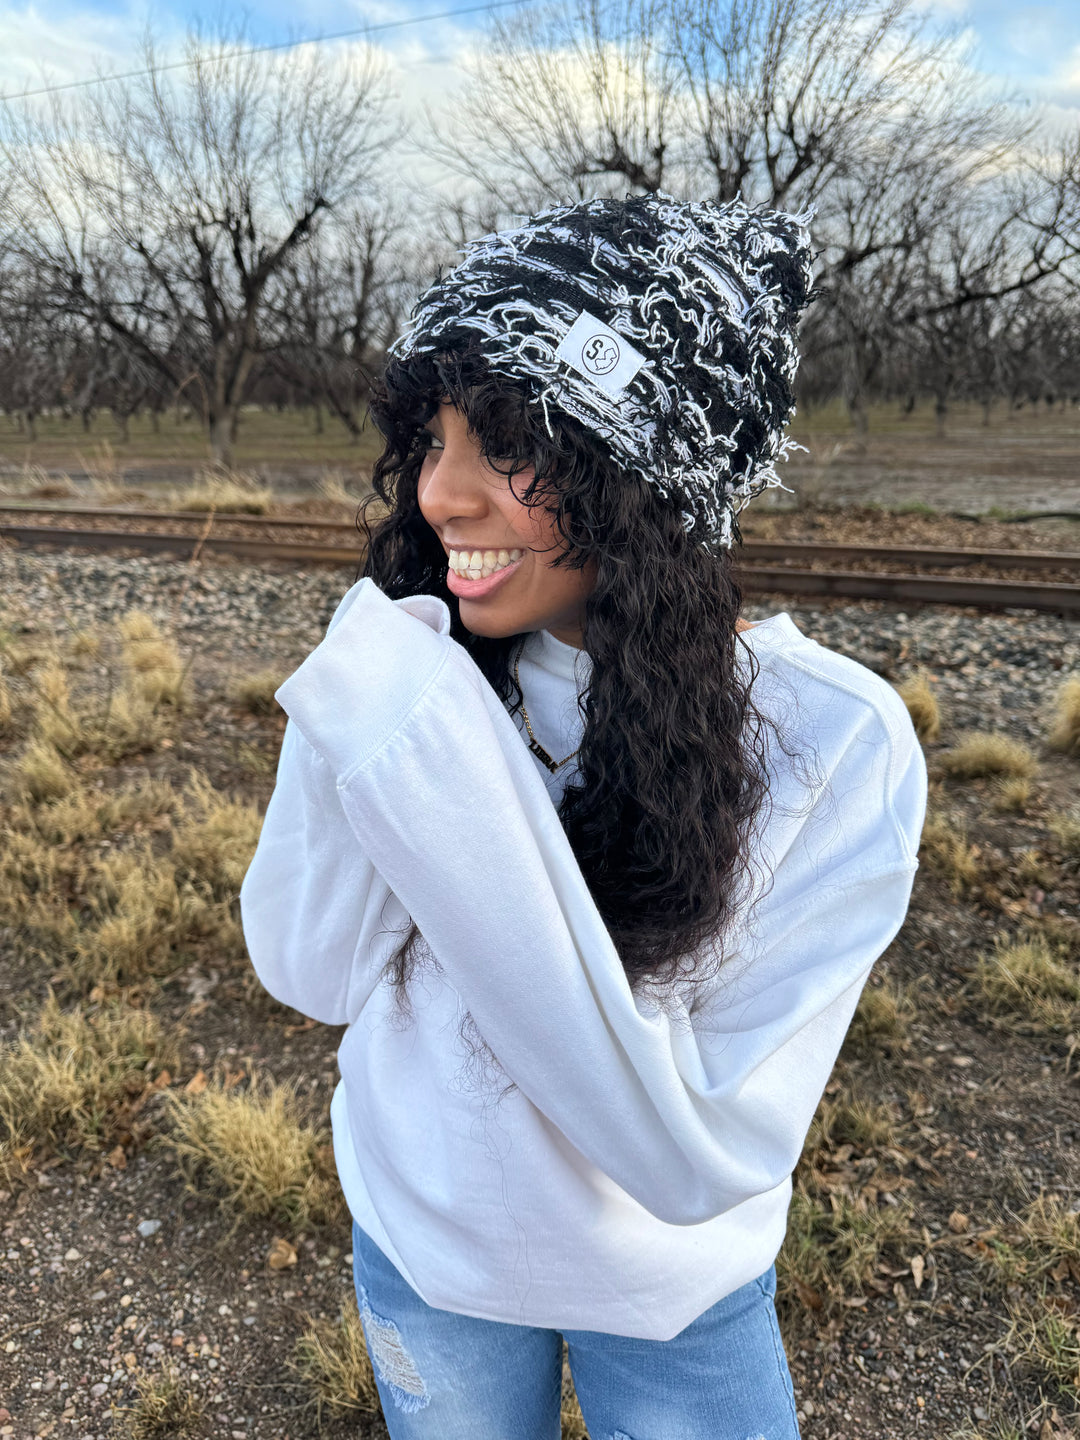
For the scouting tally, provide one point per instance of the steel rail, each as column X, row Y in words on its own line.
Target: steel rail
column 754, row 578
column 944, row 557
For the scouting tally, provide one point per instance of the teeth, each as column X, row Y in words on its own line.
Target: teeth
column 479, row 564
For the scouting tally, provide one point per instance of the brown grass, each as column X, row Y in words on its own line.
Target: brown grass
column 833, row 1244
column 1065, row 734
column 71, row 1079
column 1044, row 1338
column 164, row 1409
column 133, row 716
column 1012, row 794
column 332, row 1361
column 945, row 846
column 883, row 1014
column 922, row 705
column 255, row 693
column 1031, row 976
column 1066, row 831
column 251, row 1148
column 157, row 675
column 982, row 754
column 232, row 492
column 837, row 1232
column 85, row 875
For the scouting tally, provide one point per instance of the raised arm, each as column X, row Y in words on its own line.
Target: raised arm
column 438, row 788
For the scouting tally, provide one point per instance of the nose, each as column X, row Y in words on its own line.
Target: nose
column 450, row 487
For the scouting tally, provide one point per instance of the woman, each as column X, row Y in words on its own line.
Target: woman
column 545, row 803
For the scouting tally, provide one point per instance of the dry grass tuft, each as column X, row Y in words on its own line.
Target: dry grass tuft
column 1066, row 831
column 215, row 840
column 331, row 1359
column 256, row 692
column 157, row 674
column 849, row 1120
column 1032, row 977
column 833, row 1246
column 1012, row 794
column 333, row 485
column 165, row 1409
column 251, row 1148
column 922, row 705
column 139, row 917
column 41, row 774
column 946, row 848
column 85, row 641
column 1033, row 868
column 81, row 874
column 985, row 754
column 73, row 1078
column 134, row 715
column 883, row 1014
column 7, row 710
column 1065, row 734
column 999, row 1427
column 235, row 492
column 1044, row 1340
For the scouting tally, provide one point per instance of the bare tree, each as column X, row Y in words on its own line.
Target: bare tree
column 204, row 189
column 864, row 109
column 338, row 303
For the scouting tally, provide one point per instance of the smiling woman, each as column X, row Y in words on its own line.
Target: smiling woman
column 504, row 578
column 535, row 753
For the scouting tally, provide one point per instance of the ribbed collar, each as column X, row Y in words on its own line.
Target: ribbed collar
column 558, row 658
column 570, row 663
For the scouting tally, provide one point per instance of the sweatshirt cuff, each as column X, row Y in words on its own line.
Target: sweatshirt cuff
column 356, row 688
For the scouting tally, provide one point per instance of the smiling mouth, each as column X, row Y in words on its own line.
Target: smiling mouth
column 479, row 564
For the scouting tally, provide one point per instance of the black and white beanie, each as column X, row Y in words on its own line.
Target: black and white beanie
column 666, row 328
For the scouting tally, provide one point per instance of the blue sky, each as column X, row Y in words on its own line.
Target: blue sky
column 1036, row 47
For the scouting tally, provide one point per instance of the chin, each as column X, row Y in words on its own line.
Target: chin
column 490, row 626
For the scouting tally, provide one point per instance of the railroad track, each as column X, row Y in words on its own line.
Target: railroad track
column 991, row 579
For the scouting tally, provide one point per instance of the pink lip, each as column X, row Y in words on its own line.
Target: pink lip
column 478, row 589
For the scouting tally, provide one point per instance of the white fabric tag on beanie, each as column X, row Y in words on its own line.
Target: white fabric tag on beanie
column 599, row 353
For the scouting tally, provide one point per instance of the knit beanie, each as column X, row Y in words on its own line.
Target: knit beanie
column 666, row 328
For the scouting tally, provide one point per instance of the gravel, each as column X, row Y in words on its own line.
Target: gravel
column 239, row 608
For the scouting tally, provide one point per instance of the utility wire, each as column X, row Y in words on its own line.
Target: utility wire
column 265, row 49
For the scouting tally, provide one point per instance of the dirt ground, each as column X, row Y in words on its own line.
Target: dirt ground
column 114, row 1266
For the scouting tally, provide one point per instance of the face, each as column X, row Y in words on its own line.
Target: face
column 511, row 587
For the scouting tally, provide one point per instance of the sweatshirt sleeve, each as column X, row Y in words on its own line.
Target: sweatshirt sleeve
column 436, row 784
column 316, row 915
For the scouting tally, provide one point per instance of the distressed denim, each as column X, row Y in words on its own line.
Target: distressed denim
column 446, row 1376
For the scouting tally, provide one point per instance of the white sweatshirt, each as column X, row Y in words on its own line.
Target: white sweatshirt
column 641, row 1170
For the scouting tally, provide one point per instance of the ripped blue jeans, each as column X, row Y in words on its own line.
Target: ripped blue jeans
column 446, row 1376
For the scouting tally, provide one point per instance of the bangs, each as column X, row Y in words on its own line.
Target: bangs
column 498, row 409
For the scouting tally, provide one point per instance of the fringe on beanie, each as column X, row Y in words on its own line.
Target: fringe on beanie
column 666, row 328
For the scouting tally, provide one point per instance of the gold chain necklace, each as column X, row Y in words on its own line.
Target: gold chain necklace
column 534, row 744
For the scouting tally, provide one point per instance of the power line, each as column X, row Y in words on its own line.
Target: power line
column 265, row 49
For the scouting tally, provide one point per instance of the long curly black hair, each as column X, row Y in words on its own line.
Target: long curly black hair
column 671, row 770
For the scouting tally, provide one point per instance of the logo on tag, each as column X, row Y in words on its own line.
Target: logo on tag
column 599, row 353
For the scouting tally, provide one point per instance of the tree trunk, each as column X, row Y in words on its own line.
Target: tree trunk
column 29, row 425
column 859, row 420
column 987, row 404
column 222, row 436
column 941, row 410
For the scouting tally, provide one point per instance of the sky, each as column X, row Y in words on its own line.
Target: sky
column 1032, row 47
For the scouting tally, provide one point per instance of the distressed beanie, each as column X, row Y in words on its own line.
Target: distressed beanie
column 666, row 328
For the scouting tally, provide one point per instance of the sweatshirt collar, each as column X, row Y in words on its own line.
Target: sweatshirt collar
column 569, row 663
column 558, row 658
